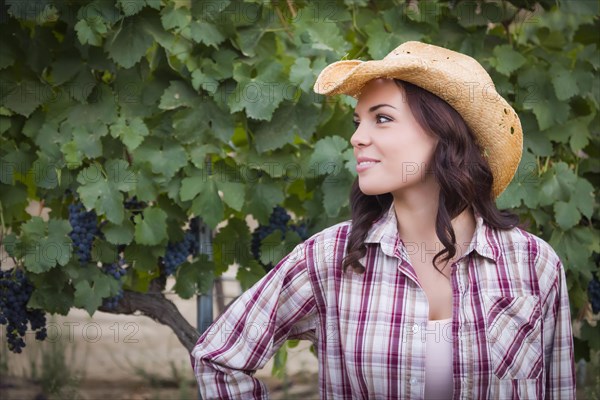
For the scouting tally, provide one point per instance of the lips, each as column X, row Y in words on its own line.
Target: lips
column 364, row 163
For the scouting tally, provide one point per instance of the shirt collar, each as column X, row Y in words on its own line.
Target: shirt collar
column 385, row 232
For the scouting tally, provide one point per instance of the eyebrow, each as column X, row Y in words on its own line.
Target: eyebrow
column 377, row 107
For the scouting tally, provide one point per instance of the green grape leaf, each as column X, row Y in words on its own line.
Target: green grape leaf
column 131, row 131
column 53, row 298
column 151, row 226
column 583, row 197
column 204, row 81
column 326, row 158
column 287, row 121
column 271, row 249
column 132, row 7
column 575, row 245
column 101, row 190
column 165, row 157
column 259, row 96
column 46, row 245
column 202, row 122
column 262, row 198
column 524, row 185
column 7, row 56
column 233, row 193
column 139, row 281
column 146, row 187
column 207, row 33
column 89, row 295
column 565, row 85
column 506, row 60
column 175, row 17
column 104, row 252
column 566, row 214
column 195, row 278
column 384, row 34
column 45, row 173
column 557, row 184
column 126, row 46
column 144, row 258
column 100, row 109
column 230, row 245
column 178, row 94
column 249, row 274
column 208, row 203
column 199, row 152
column 302, row 74
column 549, row 112
column 89, row 32
column 15, row 96
column 87, row 139
column 191, row 186
column 336, row 188
column 119, row 234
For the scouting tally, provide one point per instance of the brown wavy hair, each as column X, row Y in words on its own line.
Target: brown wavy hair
column 463, row 174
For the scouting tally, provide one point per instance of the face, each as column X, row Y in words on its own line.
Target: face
column 393, row 152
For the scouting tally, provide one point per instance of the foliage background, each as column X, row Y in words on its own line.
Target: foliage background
column 206, row 109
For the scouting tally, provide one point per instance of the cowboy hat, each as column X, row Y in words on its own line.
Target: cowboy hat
column 454, row 77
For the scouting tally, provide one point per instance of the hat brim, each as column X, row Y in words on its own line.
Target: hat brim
column 349, row 76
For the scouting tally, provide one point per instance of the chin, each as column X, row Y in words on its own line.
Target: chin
column 372, row 190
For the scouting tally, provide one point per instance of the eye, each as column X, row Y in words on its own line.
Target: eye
column 378, row 116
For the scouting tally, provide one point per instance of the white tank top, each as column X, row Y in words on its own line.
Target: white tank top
column 438, row 360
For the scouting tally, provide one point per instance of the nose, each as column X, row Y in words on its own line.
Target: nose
column 360, row 137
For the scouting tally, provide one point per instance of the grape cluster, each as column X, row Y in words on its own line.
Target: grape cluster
column 15, row 291
column 85, row 227
column 178, row 252
column 594, row 294
column 278, row 220
column 116, row 270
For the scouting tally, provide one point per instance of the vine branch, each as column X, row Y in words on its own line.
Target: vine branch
column 155, row 305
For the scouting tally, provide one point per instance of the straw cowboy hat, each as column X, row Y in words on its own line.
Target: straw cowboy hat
column 456, row 78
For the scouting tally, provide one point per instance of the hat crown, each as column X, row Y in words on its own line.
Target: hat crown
column 430, row 54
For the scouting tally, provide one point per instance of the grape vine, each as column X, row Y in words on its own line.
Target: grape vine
column 159, row 119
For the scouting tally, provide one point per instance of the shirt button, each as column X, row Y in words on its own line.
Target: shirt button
column 413, row 380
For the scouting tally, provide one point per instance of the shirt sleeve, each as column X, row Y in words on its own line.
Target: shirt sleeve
column 246, row 335
column 560, row 361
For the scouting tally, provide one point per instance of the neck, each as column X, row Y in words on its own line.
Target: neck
column 416, row 214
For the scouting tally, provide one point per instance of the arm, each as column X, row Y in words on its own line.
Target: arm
column 558, row 349
column 243, row 339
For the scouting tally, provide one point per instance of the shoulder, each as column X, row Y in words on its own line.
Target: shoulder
column 530, row 246
column 337, row 232
column 327, row 247
column 529, row 252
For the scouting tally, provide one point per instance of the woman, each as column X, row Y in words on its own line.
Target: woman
column 429, row 291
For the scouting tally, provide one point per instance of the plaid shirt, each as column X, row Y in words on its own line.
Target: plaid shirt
column 511, row 325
